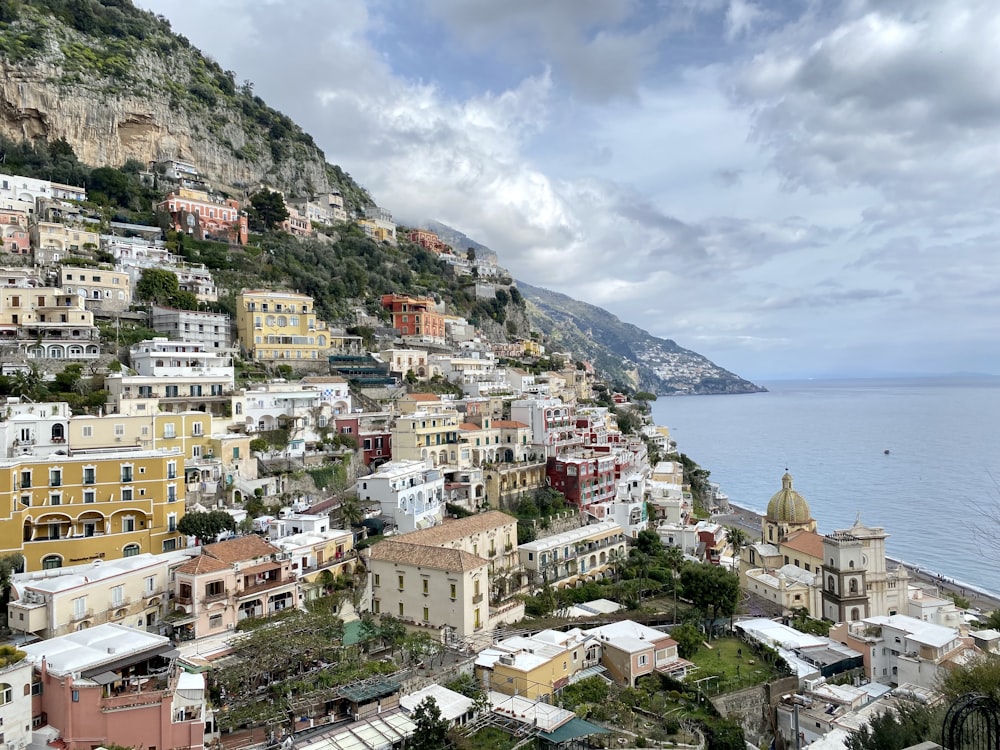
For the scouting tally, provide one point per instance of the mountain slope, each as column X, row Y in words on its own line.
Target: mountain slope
column 117, row 84
column 625, row 351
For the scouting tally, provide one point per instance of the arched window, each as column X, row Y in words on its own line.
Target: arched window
column 51, row 562
column 850, row 564
column 854, row 586
column 855, row 614
column 58, row 431
column 130, row 550
column 830, row 585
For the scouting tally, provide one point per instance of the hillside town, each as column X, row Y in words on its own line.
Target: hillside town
column 328, row 534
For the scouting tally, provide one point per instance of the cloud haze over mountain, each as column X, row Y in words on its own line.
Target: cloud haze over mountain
column 792, row 189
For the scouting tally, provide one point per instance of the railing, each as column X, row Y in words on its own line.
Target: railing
column 123, row 602
column 216, row 596
column 81, row 615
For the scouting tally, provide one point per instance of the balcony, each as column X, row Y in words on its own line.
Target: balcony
column 119, row 603
column 477, row 598
column 214, row 597
column 84, row 614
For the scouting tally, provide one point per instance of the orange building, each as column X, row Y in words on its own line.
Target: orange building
column 427, row 240
column 414, row 316
column 205, row 217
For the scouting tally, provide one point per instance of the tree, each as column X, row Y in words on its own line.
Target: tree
column 9, row 565
column 157, row 285
column 206, row 526
column 737, row 539
column 980, row 675
column 431, row 732
column 674, row 559
column 688, row 639
column 712, row 589
column 894, row 729
column 267, row 209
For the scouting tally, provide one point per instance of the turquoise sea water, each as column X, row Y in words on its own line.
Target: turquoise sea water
column 943, row 466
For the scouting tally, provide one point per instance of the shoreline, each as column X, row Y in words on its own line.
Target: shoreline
column 979, row 598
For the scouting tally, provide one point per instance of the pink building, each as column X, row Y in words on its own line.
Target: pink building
column 205, row 217
column 230, row 581
column 116, row 685
column 14, row 228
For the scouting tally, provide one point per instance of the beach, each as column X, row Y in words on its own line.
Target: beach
column 932, row 582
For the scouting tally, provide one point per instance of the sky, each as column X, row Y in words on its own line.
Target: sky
column 796, row 188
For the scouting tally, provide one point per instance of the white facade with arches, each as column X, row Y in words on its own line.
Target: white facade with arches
column 410, row 493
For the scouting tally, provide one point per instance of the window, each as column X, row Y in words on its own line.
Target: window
column 172, row 522
column 55, row 498
column 51, row 562
column 126, row 473
column 376, row 606
column 171, row 470
column 454, row 592
column 128, row 524
column 215, row 621
column 401, row 609
column 88, row 431
column 195, row 451
column 426, row 586
column 643, row 660
column 119, row 430
column 150, row 585
column 89, row 475
column 6, row 694
column 126, row 494
column 375, row 579
column 171, row 494
column 196, row 427
column 427, row 614
column 168, row 430
column 400, row 582
column 25, row 480
column 169, row 545
column 80, row 606
column 117, row 596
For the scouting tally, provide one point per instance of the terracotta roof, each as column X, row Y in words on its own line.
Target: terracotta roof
column 203, row 564
column 423, row 397
column 242, row 548
column 449, row 531
column 807, row 542
column 426, row 556
column 469, row 426
column 508, row 424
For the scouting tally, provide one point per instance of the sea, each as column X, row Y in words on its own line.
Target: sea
column 919, row 457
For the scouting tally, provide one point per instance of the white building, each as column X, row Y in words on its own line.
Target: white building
column 307, row 409
column 408, row 492
column 574, row 555
column 16, row 677
column 552, row 423
column 30, row 429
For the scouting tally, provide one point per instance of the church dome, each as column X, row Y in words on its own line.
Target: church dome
column 787, row 505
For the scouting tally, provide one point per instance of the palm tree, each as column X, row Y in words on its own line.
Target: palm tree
column 737, row 539
column 674, row 558
column 350, row 510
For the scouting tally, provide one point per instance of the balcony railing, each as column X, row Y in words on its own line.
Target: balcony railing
column 216, row 596
column 81, row 615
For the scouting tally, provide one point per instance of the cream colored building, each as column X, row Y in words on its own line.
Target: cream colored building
column 132, row 591
column 537, row 666
column 47, row 323
column 16, row 681
column 103, row 290
column 425, row 435
column 57, row 241
column 432, row 587
column 576, row 555
column 280, row 327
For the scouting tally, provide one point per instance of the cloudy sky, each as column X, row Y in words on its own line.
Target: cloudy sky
column 797, row 188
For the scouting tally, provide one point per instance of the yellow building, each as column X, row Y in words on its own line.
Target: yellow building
column 280, row 326
column 537, row 666
column 65, row 510
column 62, row 240
column 45, row 322
column 423, row 435
column 102, row 289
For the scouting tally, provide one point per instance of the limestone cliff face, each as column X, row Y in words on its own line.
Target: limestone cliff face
column 108, row 127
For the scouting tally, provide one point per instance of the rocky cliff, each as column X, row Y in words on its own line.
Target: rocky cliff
column 118, row 84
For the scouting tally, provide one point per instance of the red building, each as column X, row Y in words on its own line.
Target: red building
column 583, row 480
column 376, row 446
column 414, row 316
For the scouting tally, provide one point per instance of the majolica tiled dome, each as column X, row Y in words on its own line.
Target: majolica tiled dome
column 787, row 505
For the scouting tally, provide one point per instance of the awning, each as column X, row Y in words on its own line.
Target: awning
column 262, row 568
column 571, row 730
column 105, row 678
column 583, row 674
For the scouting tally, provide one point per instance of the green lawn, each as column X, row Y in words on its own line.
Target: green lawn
column 733, row 663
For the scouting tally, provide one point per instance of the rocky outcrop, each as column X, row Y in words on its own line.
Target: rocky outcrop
column 108, row 128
